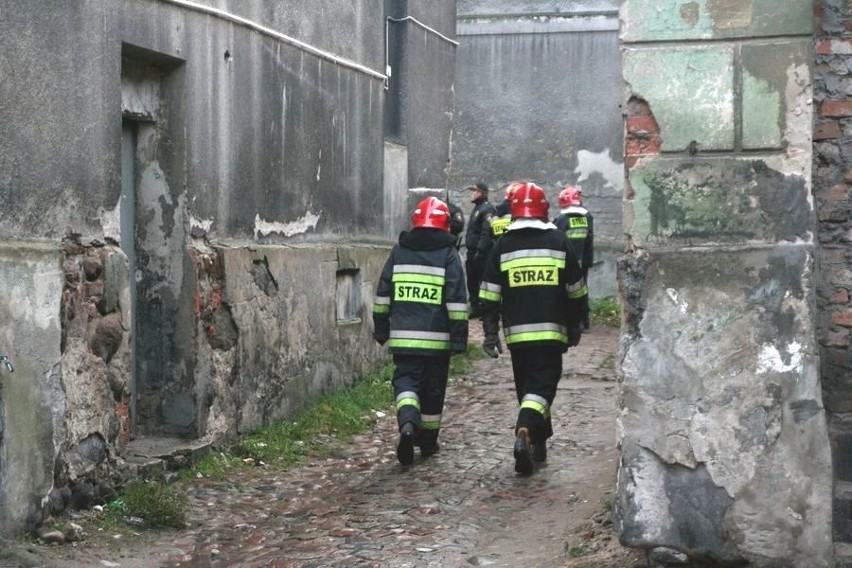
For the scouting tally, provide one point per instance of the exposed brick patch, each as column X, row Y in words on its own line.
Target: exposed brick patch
column 826, row 130
column 841, row 297
column 833, row 47
column 836, row 108
column 642, row 136
column 842, row 318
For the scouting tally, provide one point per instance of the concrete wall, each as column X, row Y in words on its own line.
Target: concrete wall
column 188, row 166
column 537, row 98
column 31, row 401
column 724, row 445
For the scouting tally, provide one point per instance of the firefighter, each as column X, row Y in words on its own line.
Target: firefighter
column 479, row 241
column 421, row 311
column 497, row 224
column 502, row 213
column 578, row 224
column 536, row 283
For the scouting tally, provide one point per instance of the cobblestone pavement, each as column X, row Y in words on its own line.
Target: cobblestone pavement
column 464, row 506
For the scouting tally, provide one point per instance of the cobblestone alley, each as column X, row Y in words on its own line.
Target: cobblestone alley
column 464, row 506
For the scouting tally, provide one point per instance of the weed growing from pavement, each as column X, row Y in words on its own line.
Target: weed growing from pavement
column 605, row 312
column 141, row 505
column 152, row 504
column 463, row 362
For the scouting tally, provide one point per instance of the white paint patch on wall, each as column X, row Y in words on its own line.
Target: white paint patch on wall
column 203, row 224
column 602, row 163
column 675, row 297
column 264, row 228
column 769, row 359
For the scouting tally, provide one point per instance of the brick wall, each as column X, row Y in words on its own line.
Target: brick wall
column 832, row 177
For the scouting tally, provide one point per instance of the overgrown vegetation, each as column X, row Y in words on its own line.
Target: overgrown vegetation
column 334, row 418
column 605, row 312
column 332, row 421
column 152, row 504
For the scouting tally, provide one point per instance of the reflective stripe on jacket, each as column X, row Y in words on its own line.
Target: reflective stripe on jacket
column 420, row 305
column 578, row 225
column 535, row 278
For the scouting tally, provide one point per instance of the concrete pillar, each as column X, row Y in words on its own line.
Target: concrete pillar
column 724, row 448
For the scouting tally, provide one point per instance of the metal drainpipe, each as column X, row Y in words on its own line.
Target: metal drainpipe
column 343, row 62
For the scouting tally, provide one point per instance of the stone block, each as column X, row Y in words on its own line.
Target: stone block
column 688, row 108
column 721, row 399
column 663, row 20
column 716, row 200
column 769, row 73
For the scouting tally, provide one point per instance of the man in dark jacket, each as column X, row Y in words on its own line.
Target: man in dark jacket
column 535, row 281
column 420, row 310
column 456, row 222
column 479, row 240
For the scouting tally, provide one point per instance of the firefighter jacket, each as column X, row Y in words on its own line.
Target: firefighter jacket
column 500, row 220
column 421, row 299
column 577, row 224
column 478, row 238
column 536, row 281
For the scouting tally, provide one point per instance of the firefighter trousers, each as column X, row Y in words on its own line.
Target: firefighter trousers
column 419, row 387
column 537, row 370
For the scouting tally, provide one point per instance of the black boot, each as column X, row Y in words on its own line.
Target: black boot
column 428, row 443
column 523, row 460
column 429, row 450
column 539, row 451
column 405, row 447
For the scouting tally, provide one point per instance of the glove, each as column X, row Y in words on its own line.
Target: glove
column 574, row 335
column 380, row 340
column 455, row 349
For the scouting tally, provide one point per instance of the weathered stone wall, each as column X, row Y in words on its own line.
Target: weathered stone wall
column 832, row 176
column 210, row 141
column 724, row 445
column 272, row 330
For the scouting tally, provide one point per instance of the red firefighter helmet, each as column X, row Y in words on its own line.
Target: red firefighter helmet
column 570, row 195
column 529, row 200
column 431, row 213
column 512, row 188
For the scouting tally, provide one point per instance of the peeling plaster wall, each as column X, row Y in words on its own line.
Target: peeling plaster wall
column 270, row 342
column 255, row 126
column 724, row 446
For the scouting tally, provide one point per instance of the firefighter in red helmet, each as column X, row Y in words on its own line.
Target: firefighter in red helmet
column 578, row 225
column 420, row 311
column 536, row 283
